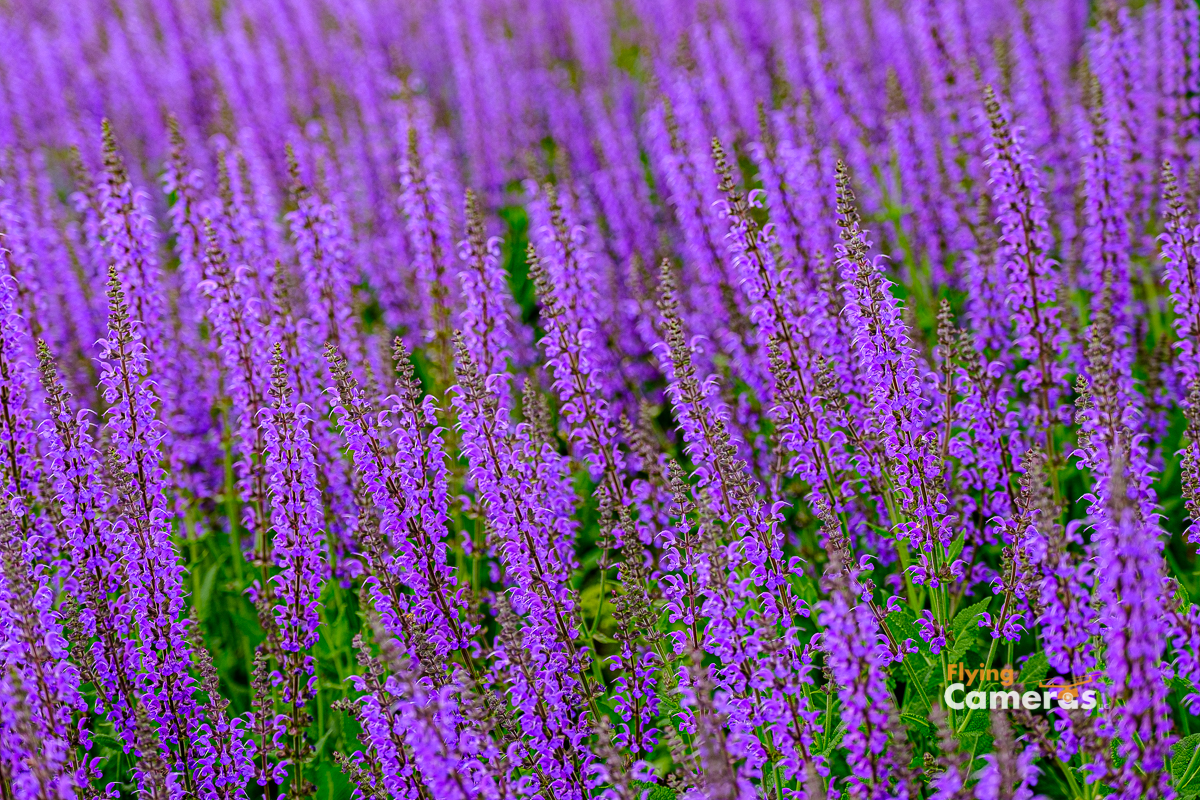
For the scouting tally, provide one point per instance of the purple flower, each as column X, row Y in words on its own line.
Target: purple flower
column 789, row 324
column 298, row 549
column 1130, row 590
column 150, row 566
column 900, row 406
column 131, row 251
column 853, row 655
column 324, row 255
column 1181, row 259
column 1011, row 771
column 105, row 612
column 1032, row 278
column 488, row 317
column 560, row 265
column 403, row 472
column 427, row 220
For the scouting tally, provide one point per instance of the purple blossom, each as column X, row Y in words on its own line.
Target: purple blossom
column 488, row 318
column 853, row 656
column 105, row 613
column 567, row 538
column 150, row 565
column 1032, row 278
column 560, row 264
column 427, row 221
column 404, row 473
column 1130, row 588
column 298, row 549
column 895, row 379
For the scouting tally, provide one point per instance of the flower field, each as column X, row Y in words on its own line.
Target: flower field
column 622, row 399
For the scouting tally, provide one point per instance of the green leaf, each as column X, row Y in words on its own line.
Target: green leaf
column 902, row 625
column 316, row 750
column 204, row 597
column 918, row 721
column 978, row 720
column 656, row 790
column 964, row 629
column 917, row 702
column 968, row 616
column 834, row 740
column 1034, row 671
column 589, row 600
column 806, row 588
column 962, row 643
column 881, row 530
column 977, row 742
column 1114, row 753
column 956, row 547
column 1185, row 766
column 1182, row 686
column 107, row 741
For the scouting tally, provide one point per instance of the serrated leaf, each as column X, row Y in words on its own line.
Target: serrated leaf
column 1114, row 752
column 977, row 720
column 969, row 615
column 1182, row 686
column 1034, row 671
column 834, row 740
column 962, row 643
column 964, row 629
column 655, row 791
column 919, row 721
column 903, row 626
column 1185, row 765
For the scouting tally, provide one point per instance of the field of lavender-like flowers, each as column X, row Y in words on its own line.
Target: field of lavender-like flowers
column 623, row 399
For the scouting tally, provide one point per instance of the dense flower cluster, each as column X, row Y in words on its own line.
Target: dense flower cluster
column 624, row 399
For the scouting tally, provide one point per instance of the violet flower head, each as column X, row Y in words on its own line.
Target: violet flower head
column 326, row 267
column 427, row 220
column 549, row 520
column 899, row 417
column 853, row 655
column 150, row 562
column 105, row 612
column 487, row 314
column 38, row 732
column 1131, row 590
column 561, row 268
column 1026, row 242
column 297, row 520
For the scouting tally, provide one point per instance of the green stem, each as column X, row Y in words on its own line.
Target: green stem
column 1152, row 304
column 916, row 683
column 986, row 666
column 600, row 600
column 231, row 508
column 778, row 785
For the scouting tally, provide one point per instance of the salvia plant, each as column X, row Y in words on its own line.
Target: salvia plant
column 623, row 399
